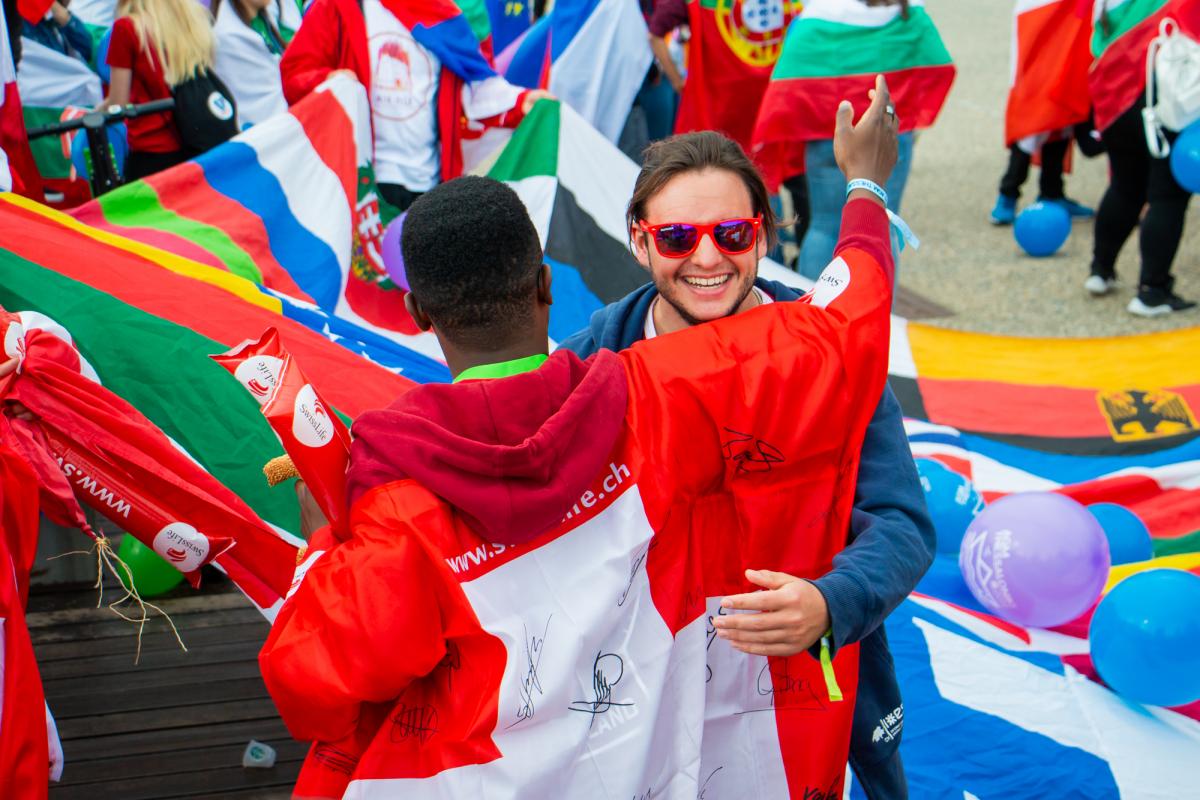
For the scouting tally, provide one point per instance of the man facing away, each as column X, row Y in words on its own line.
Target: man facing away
column 521, row 609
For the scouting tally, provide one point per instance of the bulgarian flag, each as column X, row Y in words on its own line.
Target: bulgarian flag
column 1123, row 32
column 734, row 46
column 1051, row 57
column 18, row 172
column 833, row 52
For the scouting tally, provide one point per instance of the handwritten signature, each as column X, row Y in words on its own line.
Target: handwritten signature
column 331, row 758
column 451, row 663
column 750, row 453
column 414, row 721
column 712, row 637
column 633, row 571
column 704, row 786
column 796, row 693
column 607, row 670
column 531, row 683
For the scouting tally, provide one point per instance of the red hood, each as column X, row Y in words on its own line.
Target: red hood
column 512, row 455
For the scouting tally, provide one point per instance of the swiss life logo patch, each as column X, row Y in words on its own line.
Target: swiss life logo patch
column 184, row 547
column 311, row 424
column 260, row 374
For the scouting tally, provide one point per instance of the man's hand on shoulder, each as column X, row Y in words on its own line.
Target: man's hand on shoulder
column 869, row 149
column 793, row 616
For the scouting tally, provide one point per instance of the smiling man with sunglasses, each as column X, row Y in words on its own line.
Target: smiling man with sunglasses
column 699, row 222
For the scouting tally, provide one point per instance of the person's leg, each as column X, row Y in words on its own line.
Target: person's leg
column 826, row 195
column 1121, row 207
column 1016, row 173
column 1161, row 232
column 1050, row 181
column 658, row 101
column 797, row 185
column 1004, row 212
column 896, row 183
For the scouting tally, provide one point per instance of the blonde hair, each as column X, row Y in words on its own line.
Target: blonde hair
column 179, row 31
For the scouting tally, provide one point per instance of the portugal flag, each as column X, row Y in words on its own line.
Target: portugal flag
column 1122, row 34
column 1051, row 58
column 734, row 46
column 833, row 52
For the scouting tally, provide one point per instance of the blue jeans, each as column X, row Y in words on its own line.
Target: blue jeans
column 827, row 195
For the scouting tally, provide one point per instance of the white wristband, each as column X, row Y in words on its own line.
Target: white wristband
column 871, row 186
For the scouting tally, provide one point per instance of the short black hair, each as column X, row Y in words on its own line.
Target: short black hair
column 471, row 256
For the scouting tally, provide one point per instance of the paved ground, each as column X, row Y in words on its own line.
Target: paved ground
column 978, row 271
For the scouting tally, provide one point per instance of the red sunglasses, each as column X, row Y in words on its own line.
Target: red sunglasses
column 680, row 239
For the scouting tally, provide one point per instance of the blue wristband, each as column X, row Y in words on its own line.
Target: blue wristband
column 871, row 186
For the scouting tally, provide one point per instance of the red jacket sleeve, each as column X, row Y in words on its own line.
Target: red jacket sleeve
column 328, row 39
column 363, row 624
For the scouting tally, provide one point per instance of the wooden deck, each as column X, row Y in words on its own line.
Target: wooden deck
column 175, row 724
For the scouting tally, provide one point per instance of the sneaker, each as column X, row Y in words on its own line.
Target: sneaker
column 1099, row 285
column 1076, row 209
column 1005, row 210
column 1157, row 303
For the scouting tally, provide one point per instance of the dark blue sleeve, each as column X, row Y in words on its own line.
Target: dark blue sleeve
column 78, row 37
column 892, row 538
column 581, row 343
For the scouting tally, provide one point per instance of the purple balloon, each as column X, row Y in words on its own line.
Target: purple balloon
column 393, row 259
column 1037, row 559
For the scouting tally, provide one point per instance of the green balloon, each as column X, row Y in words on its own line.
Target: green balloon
column 152, row 575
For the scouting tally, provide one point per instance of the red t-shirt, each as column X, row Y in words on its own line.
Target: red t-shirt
column 154, row 133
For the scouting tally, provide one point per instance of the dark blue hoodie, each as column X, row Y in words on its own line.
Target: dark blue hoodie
column 891, row 546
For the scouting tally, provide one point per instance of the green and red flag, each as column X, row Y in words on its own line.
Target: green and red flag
column 1123, row 32
column 734, row 47
column 1051, row 57
column 832, row 52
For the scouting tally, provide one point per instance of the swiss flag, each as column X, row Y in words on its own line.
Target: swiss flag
column 18, row 173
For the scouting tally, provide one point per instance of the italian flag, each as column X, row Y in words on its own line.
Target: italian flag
column 1051, row 57
column 18, row 173
column 1122, row 35
column 833, row 52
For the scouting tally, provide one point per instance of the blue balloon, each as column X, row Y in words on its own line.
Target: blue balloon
column 1145, row 638
column 952, row 502
column 102, row 68
column 1128, row 538
column 118, row 145
column 1042, row 228
column 1185, row 158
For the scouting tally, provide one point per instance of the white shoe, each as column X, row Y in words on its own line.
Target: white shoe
column 1098, row 285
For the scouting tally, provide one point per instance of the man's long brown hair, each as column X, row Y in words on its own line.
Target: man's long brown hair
column 693, row 152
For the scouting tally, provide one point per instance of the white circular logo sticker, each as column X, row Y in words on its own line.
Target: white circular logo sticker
column 259, row 374
column 833, row 281
column 311, row 424
column 14, row 343
column 220, row 107
column 184, row 547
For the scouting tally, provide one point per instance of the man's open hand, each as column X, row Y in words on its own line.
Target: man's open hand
column 792, row 617
column 869, row 149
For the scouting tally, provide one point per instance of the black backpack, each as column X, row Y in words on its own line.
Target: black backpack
column 205, row 112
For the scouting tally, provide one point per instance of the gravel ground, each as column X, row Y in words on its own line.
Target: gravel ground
column 977, row 270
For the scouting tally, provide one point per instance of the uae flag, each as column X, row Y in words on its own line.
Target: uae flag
column 1123, row 31
column 734, row 46
column 1051, row 57
column 575, row 185
column 833, row 52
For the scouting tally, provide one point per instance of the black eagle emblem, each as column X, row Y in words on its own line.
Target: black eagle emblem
column 1137, row 414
